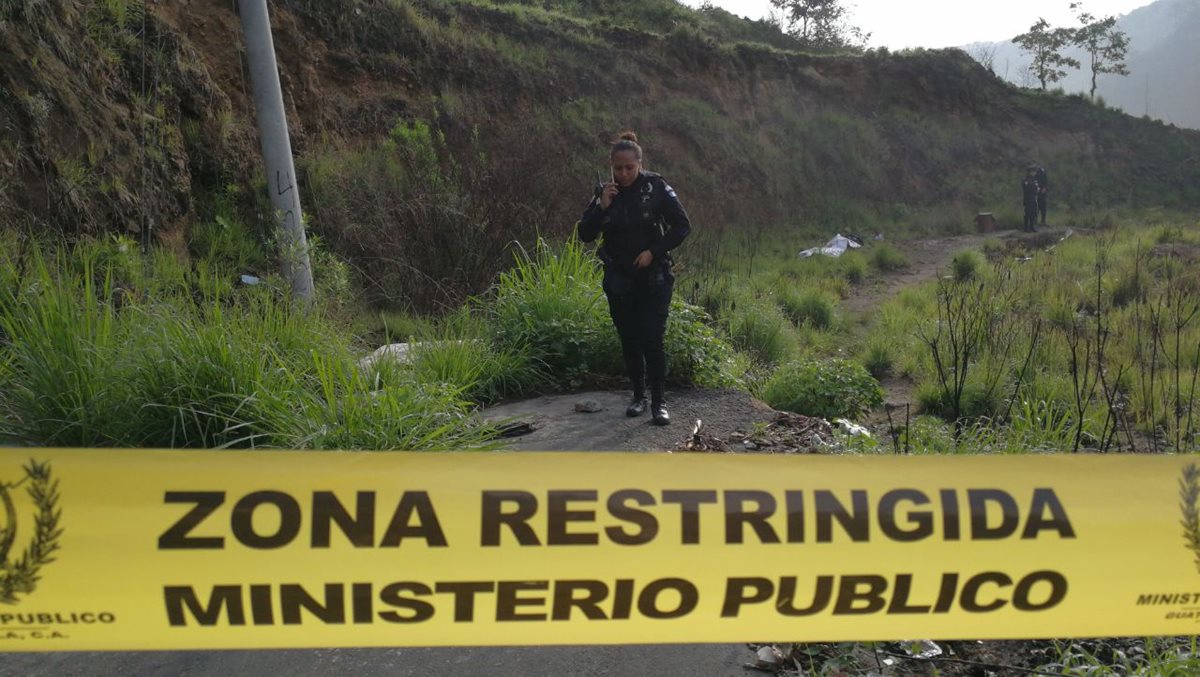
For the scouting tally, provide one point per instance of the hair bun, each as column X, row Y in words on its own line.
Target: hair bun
column 628, row 135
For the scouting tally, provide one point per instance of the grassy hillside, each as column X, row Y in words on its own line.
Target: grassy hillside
column 431, row 133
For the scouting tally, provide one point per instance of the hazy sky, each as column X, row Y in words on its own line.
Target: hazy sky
column 946, row 23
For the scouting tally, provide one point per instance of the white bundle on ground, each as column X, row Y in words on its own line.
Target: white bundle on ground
column 835, row 247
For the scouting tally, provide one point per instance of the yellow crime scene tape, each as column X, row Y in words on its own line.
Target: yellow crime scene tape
column 106, row 549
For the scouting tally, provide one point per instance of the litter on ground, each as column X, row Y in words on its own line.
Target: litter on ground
column 835, row 247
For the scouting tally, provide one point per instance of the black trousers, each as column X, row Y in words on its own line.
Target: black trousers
column 1031, row 215
column 1041, row 203
column 639, row 313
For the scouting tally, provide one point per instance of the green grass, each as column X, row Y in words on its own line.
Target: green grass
column 550, row 305
column 966, row 265
column 879, row 359
column 459, row 354
column 1137, row 282
column 886, row 259
column 828, row 389
column 550, row 302
column 811, row 307
column 103, row 348
column 87, row 364
column 1159, row 657
column 760, row 330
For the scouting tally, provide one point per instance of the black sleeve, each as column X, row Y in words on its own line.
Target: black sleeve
column 678, row 224
column 590, row 225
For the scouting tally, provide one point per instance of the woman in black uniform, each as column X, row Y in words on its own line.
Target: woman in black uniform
column 640, row 219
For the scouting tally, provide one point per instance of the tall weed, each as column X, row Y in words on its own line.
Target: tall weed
column 551, row 304
column 82, row 366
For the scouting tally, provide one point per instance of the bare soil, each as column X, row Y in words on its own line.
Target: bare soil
column 927, row 259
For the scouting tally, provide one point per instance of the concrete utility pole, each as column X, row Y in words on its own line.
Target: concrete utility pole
column 276, row 147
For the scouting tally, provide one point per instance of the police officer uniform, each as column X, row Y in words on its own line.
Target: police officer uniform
column 644, row 216
column 1029, row 195
column 1043, row 189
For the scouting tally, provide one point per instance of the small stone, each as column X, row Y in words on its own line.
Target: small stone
column 768, row 658
column 588, row 407
column 750, row 445
column 922, row 649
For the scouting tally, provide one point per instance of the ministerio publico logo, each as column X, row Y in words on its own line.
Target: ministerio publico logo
column 1189, row 506
column 19, row 572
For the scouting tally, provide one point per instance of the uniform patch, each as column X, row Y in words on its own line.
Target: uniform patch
column 647, row 187
column 671, row 191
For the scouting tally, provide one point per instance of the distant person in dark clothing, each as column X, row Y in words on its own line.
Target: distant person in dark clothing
column 1029, row 193
column 640, row 219
column 1043, row 186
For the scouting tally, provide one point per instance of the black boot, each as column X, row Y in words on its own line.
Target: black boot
column 658, row 403
column 637, row 406
column 659, row 410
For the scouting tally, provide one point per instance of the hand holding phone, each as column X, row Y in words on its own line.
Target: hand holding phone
column 607, row 194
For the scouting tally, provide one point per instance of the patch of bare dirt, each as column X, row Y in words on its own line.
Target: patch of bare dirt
column 556, row 424
column 927, row 258
column 788, row 433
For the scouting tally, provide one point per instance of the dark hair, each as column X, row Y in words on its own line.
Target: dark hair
column 627, row 140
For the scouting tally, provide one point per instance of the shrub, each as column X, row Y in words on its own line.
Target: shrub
column 410, row 213
column 878, row 359
column 760, row 329
column 549, row 325
column 1129, row 287
column 810, row 306
column 854, row 267
column 60, row 357
column 695, row 354
column 393, row 327
column 716, row 298
column 977, row 401
column 226, row 241
column 826, row 388
column 348, row 412
column 1044, row 425
column 551, row 304
column 931, row 435
column 331, row 275
column 886, row 259
column 213, row 378
column 965, row 266
column 1168, row 235
column 460, row 354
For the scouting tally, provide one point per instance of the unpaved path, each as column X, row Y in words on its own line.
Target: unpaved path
column 927, row 259
column 558, row 427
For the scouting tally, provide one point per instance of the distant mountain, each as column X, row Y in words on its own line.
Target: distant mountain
column 1163, row 60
